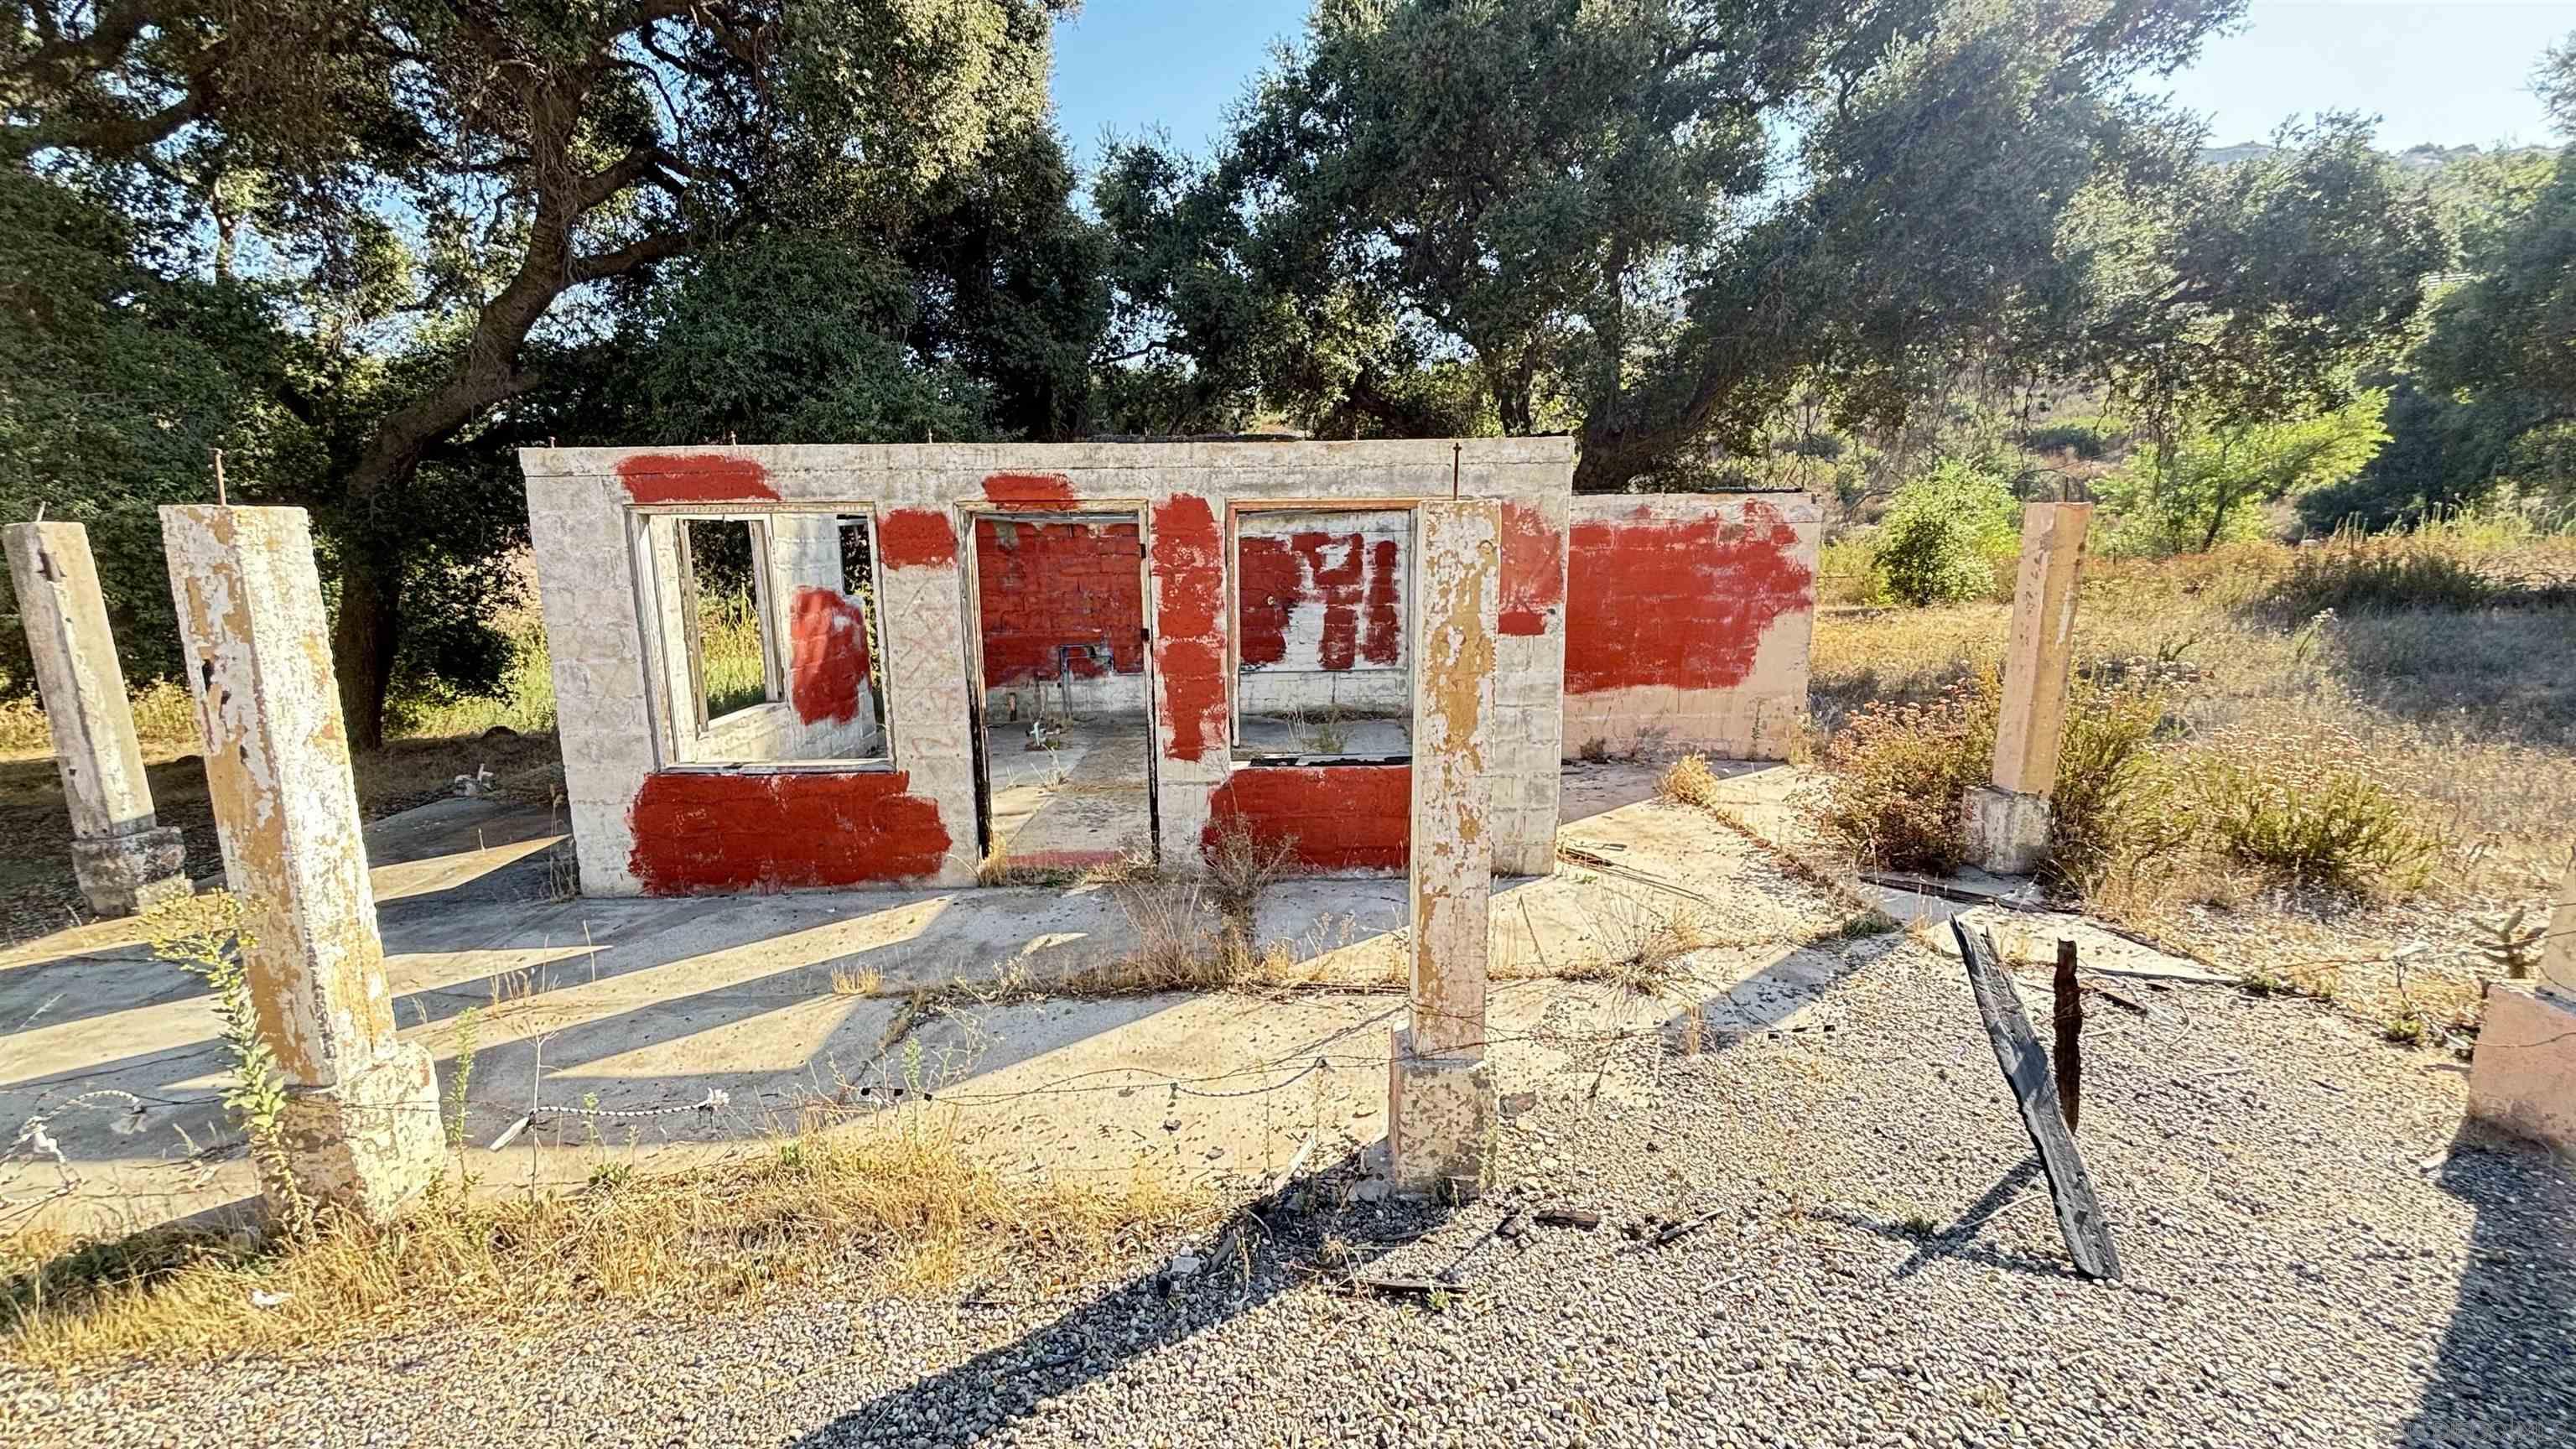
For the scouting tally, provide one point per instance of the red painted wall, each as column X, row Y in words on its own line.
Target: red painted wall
column 1679, row 603
column 703, row 833
column 1344, row 817
column 1040, row 585
column 693, row 478
column 1351, row 577
column 1189, row 628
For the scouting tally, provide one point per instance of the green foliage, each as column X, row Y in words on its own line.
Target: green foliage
column 2089, row 440
column 2105, row 793
column 422, row 188
column 1665, row 226
column 795, row 337
column 2352, row 576
column 203, row 936
column 116, row 384
column 1943, row 534
column 2333, row 827
column 2207, row 488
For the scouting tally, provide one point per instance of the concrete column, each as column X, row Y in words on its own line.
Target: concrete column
column 123, row 860
column 1440, row 1096
column 2007, row 822
column 2523, row 1077
column 362, row 1127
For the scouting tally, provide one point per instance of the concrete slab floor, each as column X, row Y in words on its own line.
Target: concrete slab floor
column 677, row 1030
column 1085, row 798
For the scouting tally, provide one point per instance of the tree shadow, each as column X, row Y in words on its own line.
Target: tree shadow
column 1307, row 1232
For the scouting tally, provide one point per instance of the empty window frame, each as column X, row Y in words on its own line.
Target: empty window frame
column 768, row 638
column 1323, row 601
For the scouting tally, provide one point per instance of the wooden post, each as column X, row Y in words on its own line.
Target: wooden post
column 2025, row 1069
column 2070, row 1036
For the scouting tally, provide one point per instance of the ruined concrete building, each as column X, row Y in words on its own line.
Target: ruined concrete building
column 798, row 667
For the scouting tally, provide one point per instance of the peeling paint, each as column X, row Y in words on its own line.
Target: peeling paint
column 1533, row 571
column 1330, row 817
column 1029, row 490
column 828, row 650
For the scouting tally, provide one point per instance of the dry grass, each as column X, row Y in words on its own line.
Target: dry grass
column 2431, row 743
column 896, row 1207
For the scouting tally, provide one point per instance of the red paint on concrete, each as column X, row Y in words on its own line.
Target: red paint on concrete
column 1684, row 603
column 1189, row 626
column 1350, row 577
column 1343, row 817
column 1042, row 585
column 1029, row 490
column 828, row 657
column 693, row 478
column 1533, row 570
column 911, row 538
column 709, row 833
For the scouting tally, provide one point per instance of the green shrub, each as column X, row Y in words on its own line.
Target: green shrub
column 2107, row 796
column 2382, row 575
column 2091, row 440
column 2328, row 826
column 1943, row 533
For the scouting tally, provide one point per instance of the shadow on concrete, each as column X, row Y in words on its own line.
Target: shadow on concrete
column 2505, row 1372
column 1283, row 1246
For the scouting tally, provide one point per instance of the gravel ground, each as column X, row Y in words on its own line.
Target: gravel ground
column 2312, row 1260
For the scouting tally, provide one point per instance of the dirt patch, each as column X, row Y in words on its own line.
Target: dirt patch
column 38, row 894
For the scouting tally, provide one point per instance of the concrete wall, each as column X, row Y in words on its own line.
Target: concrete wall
column 646, row 821
column 1041, row 586
column 1321, row 600
column 1689, row 619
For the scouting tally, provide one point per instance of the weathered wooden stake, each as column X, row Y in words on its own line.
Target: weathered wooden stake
column 2025, row 1069
column 2070, row 1037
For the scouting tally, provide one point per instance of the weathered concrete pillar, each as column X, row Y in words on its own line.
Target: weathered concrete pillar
column 124, row 860
column 1440, row 1094
column 2523, row 1077
column 362, row 1128
column 2007, row 822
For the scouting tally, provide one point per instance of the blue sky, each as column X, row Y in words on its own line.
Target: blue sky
column 2452, row 72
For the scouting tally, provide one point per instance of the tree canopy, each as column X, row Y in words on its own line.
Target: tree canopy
column 1655, row 225
column 434, row 201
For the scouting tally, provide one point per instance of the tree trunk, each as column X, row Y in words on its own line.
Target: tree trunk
column 363, row 640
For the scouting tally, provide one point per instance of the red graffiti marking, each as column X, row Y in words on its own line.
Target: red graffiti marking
column 1381, row 646
column 1343, row 817
column 1533, row 570
column 1353, row 578
column 1043, row 585
column 1189, row 625
column 1029, row 490
column 698, row 834
column 693, row 478
column 828, row 654
column 1681, row 603
column 916, row 538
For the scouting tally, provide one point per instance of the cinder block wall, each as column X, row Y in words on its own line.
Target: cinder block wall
column 1321, row 604
column 1041, row 586
column 645, row 824
column 1689, row 620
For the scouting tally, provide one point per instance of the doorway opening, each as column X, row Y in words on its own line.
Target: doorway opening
column 1065, row 774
